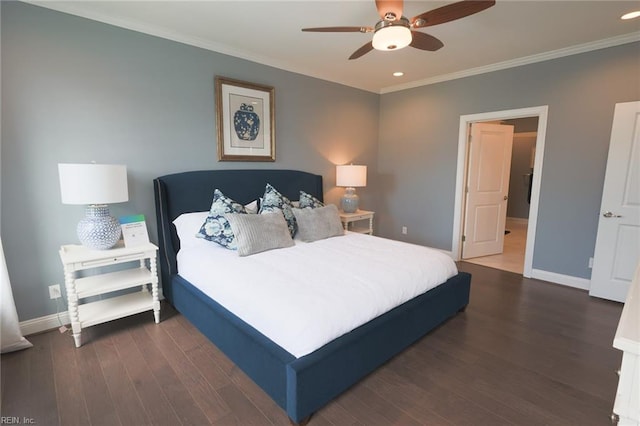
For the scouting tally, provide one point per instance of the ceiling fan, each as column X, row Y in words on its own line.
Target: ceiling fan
column 394, row 31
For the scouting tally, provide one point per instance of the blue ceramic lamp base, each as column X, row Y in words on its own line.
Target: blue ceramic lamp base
column 98, row 230
column 349, row 201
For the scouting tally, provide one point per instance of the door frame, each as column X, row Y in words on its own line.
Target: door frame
column 461, row 175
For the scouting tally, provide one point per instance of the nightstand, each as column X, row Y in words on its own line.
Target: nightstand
column 348, row 221
column 626, row 406
column 85, row 314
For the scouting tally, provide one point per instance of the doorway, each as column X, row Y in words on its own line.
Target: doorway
column 519, row 228
column 508, row 255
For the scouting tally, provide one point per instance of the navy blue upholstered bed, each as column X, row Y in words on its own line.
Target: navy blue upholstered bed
column 299, row 385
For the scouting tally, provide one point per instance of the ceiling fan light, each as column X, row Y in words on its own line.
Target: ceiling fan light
column 393, row 37
column 631, row 15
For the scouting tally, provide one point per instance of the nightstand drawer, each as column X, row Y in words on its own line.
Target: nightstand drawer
column 111, row 261
column 359, row 216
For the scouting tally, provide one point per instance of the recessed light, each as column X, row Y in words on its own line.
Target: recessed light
column 631, row 15
column 398, row 74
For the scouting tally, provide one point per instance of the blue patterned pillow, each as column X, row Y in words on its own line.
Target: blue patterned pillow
column 216, row 227
column 308, row 200
column 274, row 201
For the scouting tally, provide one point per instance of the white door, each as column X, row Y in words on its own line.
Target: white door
column 618, row 242
column 487, row 188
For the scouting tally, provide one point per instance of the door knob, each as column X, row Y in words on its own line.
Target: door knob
column 609, row 214
column 506, row 198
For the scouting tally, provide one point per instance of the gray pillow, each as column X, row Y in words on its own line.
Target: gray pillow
column 319, row 223
column 255, row 233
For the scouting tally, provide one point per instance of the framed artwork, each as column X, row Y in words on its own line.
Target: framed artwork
column 245, row 120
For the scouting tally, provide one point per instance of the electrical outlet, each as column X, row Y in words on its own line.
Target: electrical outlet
column 54, row 291
column 591, row 262
column 404, row 230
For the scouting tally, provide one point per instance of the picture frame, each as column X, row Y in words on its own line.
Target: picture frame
column 245, row 120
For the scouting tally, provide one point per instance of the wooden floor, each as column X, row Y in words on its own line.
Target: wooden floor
column 525, row 352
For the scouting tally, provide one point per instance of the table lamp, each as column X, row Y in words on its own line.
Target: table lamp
column 95, row 185
column 350, row 176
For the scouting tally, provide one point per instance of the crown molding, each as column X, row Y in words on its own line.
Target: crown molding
column 68, row 7
column 162, row 32
column 540, row 57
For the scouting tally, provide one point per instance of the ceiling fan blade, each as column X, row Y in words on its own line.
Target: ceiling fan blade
column 390, row 10
column 364, row 49
column 340, row 29
column 424, row 41
column 450, row 12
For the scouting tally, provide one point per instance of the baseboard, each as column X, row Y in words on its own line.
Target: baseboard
column 568, row 280
column 522, row 220
column 46, row 323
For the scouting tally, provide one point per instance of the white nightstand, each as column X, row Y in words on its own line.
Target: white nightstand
column 626, row 407
column 77, row 258
column 348, row 220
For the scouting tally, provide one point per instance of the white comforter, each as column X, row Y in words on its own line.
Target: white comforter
column 303, row 297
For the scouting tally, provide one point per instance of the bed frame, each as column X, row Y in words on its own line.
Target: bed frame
column 299, row 385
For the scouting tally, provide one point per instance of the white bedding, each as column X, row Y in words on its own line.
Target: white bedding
column 304, row 296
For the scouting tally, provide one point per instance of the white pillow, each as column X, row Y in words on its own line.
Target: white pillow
column 187, row 226
column 252, row 207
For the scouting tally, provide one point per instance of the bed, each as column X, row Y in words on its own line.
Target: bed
column 300, row 385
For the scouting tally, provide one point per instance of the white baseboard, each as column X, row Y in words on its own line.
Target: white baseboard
column 568, row 280
column 46, row 323
column 522, row 220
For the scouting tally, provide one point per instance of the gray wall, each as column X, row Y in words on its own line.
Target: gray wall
column 419, row 139
column 74, row 90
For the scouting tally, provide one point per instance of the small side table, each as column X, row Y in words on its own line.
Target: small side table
column 77, row 258
column 348, row 221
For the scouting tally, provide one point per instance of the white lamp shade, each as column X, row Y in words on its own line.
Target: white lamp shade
column 93, row 183
column 351, row 176
column 392, row 38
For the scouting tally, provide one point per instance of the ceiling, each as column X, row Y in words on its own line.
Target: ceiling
column 511, row 33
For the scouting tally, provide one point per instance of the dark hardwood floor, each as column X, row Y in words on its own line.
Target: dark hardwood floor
column 525, row 352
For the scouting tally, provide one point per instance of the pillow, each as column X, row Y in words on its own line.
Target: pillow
column 187, row 226
column 319, row 223
column 256, row 233
column 252, row 207
column 216, row 227
column 273, row 201
column 309, row 201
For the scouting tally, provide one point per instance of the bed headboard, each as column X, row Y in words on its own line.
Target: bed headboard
column 193, row 192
